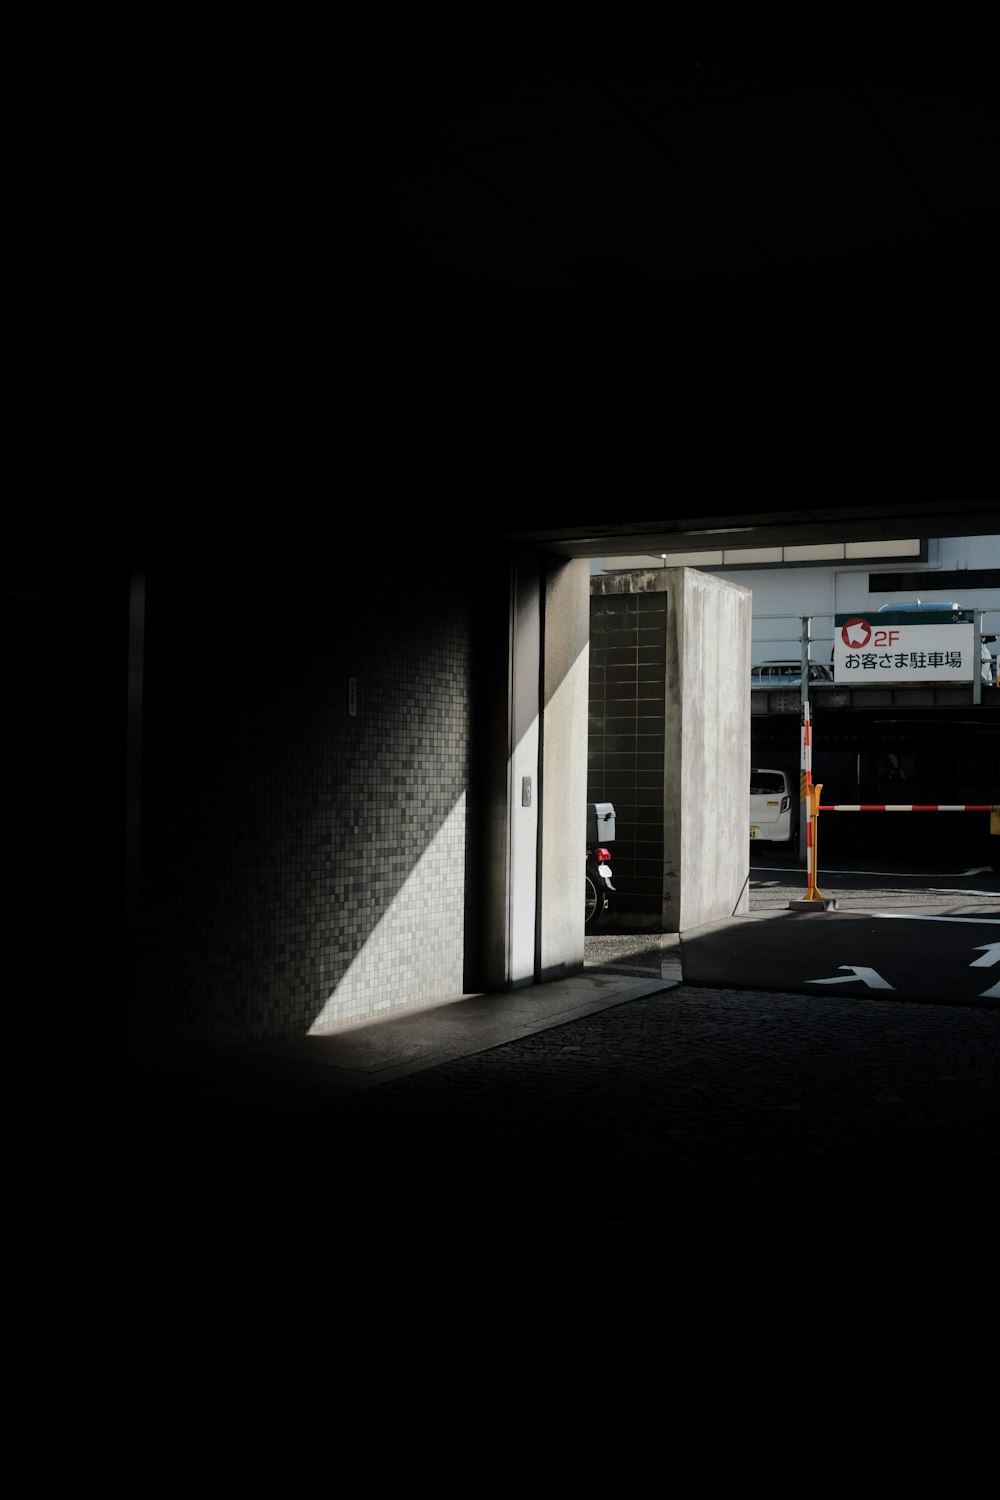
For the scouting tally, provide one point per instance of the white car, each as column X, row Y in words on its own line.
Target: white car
column 774, row 806
column 779, row 674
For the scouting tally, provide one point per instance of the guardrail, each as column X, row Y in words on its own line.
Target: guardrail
column 799, row 669
column 789, row 645
column 907, row 807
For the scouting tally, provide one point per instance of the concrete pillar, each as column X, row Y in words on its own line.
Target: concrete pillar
column 535, row 763
column 525, row 734
column 565, row 669
column 706, row 856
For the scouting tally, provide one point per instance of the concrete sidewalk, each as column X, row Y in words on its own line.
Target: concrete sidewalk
column 363, row 1057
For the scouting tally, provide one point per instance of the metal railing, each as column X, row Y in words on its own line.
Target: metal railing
column 788, row 667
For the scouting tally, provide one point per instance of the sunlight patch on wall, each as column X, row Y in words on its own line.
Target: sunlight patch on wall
column 421, row 934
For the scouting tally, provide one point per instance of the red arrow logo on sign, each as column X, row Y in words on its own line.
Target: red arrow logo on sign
column 863, row 628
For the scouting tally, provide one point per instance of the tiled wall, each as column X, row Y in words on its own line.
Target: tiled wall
column 626, row 738
column 302, row 868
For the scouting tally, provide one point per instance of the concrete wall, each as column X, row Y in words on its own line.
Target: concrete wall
column 702, row 637
column 784, row 593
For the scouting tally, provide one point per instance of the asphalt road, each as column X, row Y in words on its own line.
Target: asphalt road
column 772, row 1186
column 897, row 928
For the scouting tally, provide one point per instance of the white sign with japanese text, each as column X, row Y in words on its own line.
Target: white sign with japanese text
column 866, row 651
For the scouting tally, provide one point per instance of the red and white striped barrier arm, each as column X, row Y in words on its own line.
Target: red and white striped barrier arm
column 907, row 807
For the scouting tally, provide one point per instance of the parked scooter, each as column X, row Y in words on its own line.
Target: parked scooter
column 600, row 833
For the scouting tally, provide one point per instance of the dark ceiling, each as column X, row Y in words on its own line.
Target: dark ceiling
column 735, row 527
column 687, row 260
column 561, row 160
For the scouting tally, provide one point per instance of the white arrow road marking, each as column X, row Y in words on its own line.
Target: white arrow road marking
column 993, row 993
column 869, row 977
column 991, row 956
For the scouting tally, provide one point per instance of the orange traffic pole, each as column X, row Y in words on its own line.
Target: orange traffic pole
column 813, row 900
column 813, row 893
